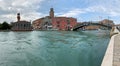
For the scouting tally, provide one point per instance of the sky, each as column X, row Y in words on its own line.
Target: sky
column 83, row 10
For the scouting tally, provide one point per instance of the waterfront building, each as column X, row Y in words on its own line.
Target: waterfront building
column 44, row 23
column 54, row 23
column 37, row 24
column 107, row 22
column 21, row 25
column 63, row 23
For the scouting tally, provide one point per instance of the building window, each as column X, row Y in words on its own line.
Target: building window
column 21, row 26
column 58, row 25
column 24, row 25
column 68, row 21
column 58, row 22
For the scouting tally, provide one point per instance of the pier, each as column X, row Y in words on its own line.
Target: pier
column 112, row 55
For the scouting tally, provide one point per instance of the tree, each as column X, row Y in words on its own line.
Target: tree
column 0, row 26
column 5, row 26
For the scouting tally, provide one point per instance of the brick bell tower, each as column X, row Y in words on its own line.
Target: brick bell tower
column 51, row 14
column 18, row 17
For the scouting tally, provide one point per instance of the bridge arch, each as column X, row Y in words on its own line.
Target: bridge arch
column 81, row 25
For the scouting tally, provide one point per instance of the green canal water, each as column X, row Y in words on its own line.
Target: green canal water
column 53, row 48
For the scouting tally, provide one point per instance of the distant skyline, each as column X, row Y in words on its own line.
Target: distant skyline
column 83, row 10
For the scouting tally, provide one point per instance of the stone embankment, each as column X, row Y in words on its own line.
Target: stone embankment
column 112, row 55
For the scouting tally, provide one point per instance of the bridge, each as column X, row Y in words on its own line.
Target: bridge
column 81, row 25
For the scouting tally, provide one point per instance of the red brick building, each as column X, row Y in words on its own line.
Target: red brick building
column 63, row 23
column 57, row 23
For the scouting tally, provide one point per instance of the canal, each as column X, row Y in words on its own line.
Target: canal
column 53, row 48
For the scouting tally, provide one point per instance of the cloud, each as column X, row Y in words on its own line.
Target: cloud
column 27, row 8
column 99, row 9
column 72, row 13
column 102, row 10
column 34, row 9
column 111, row 11
column 94, row 9
column 111, row 7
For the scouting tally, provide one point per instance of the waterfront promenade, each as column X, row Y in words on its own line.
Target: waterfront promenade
column 112, row 55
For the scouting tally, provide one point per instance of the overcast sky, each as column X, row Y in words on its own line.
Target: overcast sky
column 83, row 10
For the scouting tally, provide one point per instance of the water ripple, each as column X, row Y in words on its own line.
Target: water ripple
column 52, row 48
